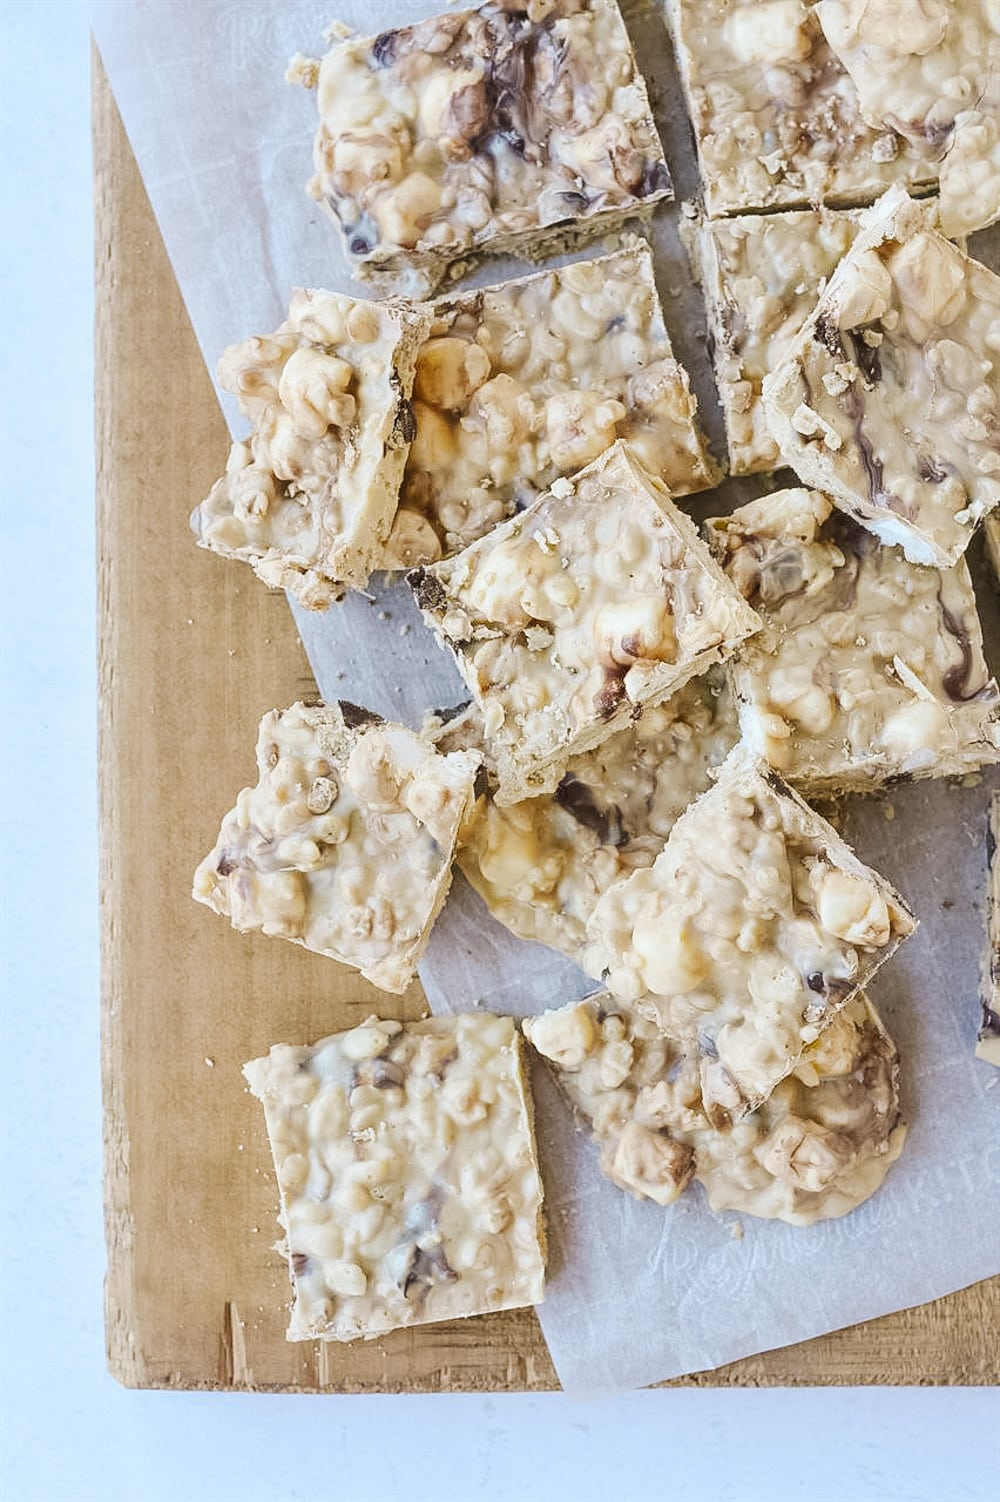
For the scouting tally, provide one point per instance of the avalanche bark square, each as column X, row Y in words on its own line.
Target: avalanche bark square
column 567, row 620
column 405, row 1159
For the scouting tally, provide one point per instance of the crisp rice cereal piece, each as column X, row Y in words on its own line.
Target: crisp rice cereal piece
column 751, row 930
column 930, row 69
column 777, row 121
column 889, row 399
column 520, row 383
column 762, row 274
column 988, row 1046
column 405, row 1160
column 501, row 130
column 541, row 865
column 869, row 668
column 818, row 1147
column 345, row 844
column 308, row 499
column 565, row 621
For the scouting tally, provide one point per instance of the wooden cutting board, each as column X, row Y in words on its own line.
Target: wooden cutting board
column 192, row 651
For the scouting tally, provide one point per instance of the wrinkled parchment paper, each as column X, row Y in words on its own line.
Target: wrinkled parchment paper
column 637, row 1294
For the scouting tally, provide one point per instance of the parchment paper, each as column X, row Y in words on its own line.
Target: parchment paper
column 637, row 1294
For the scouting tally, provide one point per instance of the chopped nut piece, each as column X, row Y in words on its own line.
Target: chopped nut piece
column 988, row 1047
column 354, row 863
column 308, row 499
column 483, row 132
column 751, row 930
column 633, row 603
column 912, row 448
column 411, row 1209
column 869, row 668
column 567, row 1036
column 819, row 1146
column 651, row 1163
column 541, row 865
column 777, row 121
column 535, row 378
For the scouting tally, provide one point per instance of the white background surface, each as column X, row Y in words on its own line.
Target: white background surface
column 68, row 1430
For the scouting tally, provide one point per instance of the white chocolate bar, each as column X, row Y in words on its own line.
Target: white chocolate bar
column 930, row 69
column 482, row 132
column 748, row 934
column 777, row 121
column 405, row 1160
column 819, row 1146
column 761, row 275
column 568, row 619
column 521, row 383
column 889, row 399
column 308, row 499
column 345, row 844
column 868, row 669
column 541, row 865
column 988, row 1047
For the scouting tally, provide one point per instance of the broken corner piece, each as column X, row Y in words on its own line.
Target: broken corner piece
column 406, row 1165
column 345, row 845
column 820, row 1145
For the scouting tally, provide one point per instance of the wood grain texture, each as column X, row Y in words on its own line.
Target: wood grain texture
column 192, row 651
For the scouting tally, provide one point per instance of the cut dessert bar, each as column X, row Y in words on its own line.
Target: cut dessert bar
column 931, row 71
column 819, row 1146
column 988, row 1047
column 568, row 619
column 309, row 497
column 751, row 930
column 869, row 668
column 405, row 1159
column 506, row 129
column 541, row 865
column 345, row 845
column 521, row 383
column 761, row 275
column 777, row 121
column 889, row 399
